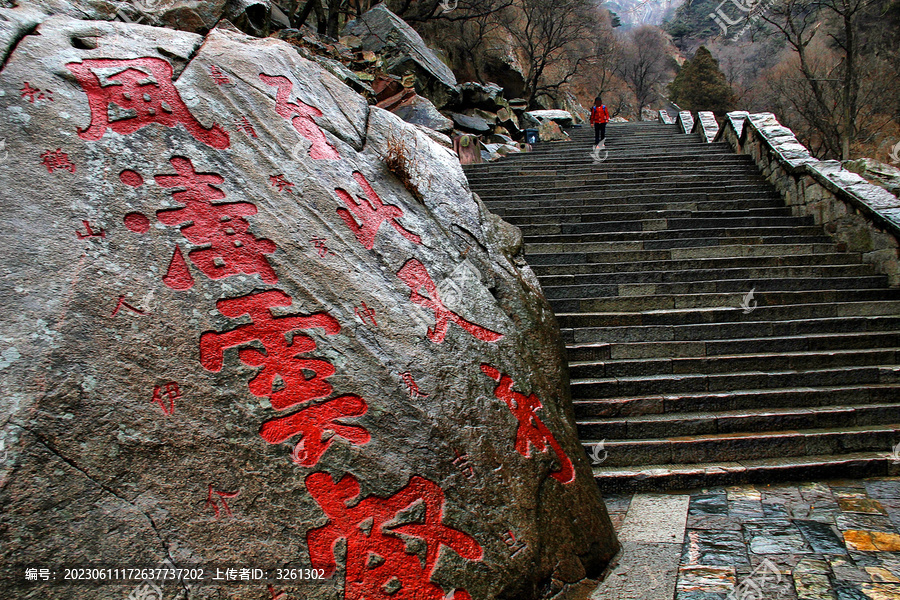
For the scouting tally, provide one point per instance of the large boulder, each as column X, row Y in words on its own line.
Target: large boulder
column 487, row 97
column 420, row 111
column 251, row 321
column 404, row 51
column 471, row 123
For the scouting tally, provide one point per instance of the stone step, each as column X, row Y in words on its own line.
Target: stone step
column 741, row 224
column 659, row 478
column 743, row 273
column 733, row 300
column 668, row 238
column 698, row 449
column 724, row 251
column 723, row 331
column 591, row 410
column 590, row 200
column 715, row 286
column 693, row 247
column 701, row 190
column 689, row 211
column 752, row 420
column 787, row 361
column 824, row 342
column 727, row 314
column 611, row 387
column 653, row 266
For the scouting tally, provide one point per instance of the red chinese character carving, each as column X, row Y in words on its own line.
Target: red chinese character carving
column 416, row 277
column 301, row 116
column 412, row 387
column 283, row 377
column 178, row 276
column 366, row 313
column 372, row 212
column 280, row 359
column 33, row 94
column 122, row 304
column 221, row 227
column 378, row 566
column 509, row 538
column 90, row 232
column 314, row 423
column 243, row 124
column 170, row 392
column 142, row 86
column 531, row 431
column 218, row 76
column 57, row 159
column 276, row 595
column 462, row 462
column 137, row 222
column 281, row 183
column 321, row 247
column 223, row 497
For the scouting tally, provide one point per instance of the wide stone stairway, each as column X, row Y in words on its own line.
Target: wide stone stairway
column 649, row 253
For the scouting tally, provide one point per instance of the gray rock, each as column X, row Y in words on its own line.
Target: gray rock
column 569, row 103
column 380, row 30
column 142, row 421
column 420, row 111
column 473, row 124
column 549, row 131
column 561, row 117
column 488, row 97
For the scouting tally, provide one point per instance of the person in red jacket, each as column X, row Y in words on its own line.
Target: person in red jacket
column 599, row 119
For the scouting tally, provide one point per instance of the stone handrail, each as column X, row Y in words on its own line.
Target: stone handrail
column 863, row 217
column 707, row 125
column 686, row 121
column 665, row 118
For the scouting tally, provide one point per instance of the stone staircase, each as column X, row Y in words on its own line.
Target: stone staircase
column 648, row 254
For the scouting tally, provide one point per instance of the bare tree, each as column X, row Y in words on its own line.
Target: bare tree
column 548, row 33
column 644, row 64
column 841, row 84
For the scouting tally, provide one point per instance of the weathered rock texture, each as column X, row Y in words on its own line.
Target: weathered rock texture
column 250, row 320
column 382, row 31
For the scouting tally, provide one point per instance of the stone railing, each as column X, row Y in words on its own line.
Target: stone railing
column 686, row 121
column 707, row 125
column 665, row 118
column 863, row 217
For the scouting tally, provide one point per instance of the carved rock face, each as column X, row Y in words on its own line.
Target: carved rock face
column 251, row 321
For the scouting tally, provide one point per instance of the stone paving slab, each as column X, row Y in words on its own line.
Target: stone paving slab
column 826, row 540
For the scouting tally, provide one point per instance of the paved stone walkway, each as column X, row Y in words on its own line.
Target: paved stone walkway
column 835, row 540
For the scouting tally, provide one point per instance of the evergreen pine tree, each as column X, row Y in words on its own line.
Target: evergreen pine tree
column 701, row 85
